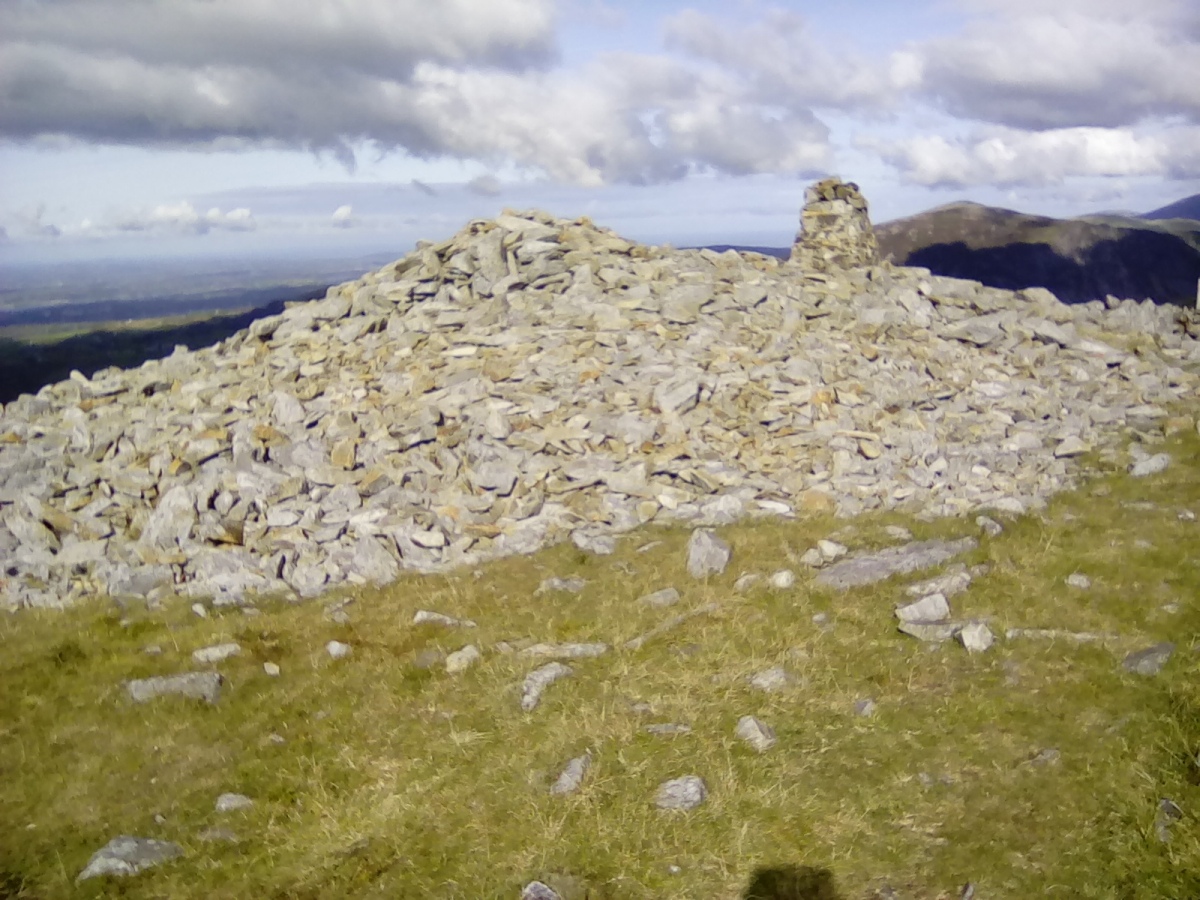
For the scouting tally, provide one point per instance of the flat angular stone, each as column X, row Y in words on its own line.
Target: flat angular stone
column 1078, row 580
column 933, row 608
column 233, row 803
column 1150, row 661
column 536, row 890
column 665, row 597
column 1152, row 465
column 538, row 680
column 427, row 617
column 756, row 733
column 772, row 680
column 870, row 568
column 570, row 779
column 596, row 544
column 217, row 653
column 975, row 637
column 1071, row 446
column 947, row 585
column 204, row 686
column 338, row 650
column 125, row 855
column 783, row 580
column 707, row 554
column 461, row 660
column 684, row 793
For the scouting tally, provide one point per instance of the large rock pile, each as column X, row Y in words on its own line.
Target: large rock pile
column 532, row 379
column 835, row 229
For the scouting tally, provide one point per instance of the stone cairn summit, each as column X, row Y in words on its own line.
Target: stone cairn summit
column 534, row 379
column 835, row 229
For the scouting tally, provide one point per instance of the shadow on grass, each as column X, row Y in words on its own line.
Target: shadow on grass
column 792, row 883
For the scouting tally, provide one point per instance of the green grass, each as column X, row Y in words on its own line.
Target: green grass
column 401, row 781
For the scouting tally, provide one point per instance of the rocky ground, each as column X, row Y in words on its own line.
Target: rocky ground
column 534, row 378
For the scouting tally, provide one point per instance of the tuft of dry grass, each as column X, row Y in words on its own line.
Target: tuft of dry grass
column 397, row 780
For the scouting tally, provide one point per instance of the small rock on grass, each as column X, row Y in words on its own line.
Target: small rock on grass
column 461, row 660
column 659, row 599
column 271, row 669
column 596, row 544
column 898, row 533
column 217, row 653
column 683, row 793
column 755, row 732
column 1151, row 465
column 831, row 551
column 783, row 579
column 1079, row 580
column 929, row 632
column 204, row 686
column 989, row 526
column 338, row 650
column 933, row 608
column 954, row 581
column 747, row 581
column 707, row 554
column 667, row 729
column 1149, row 661
column 233, row 803
column 975, row 637
column 426, row 617
column 538, row 680
column 1168, row 814
column 865, row 708
column 536, row 890
column 125, row 855
column 571, row 778
column 772, row 680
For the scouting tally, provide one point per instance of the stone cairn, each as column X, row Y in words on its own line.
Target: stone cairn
column 533, row 379
column 835, row 229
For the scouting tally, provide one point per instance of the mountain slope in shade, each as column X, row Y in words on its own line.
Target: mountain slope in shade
column 1187, row 208
column 1078, row 259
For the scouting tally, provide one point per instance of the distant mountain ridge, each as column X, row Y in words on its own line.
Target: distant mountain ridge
column 1187, row 208
column 1080, row 260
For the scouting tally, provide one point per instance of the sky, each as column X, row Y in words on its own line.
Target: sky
column 135, row 128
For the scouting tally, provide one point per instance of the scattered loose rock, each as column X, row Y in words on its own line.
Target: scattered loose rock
column 461, row 660
column 955, row 581
column 1149, row 661
column 756, row 733
column 233, row 803
column 873, row 567
column 865, row 708
column 338, row 650
column 783, row 580
column 663, row 598
column 975, row 637
column 572, row 776
column 538, row 680
column 1078, row 580
column 1152, row 465
column 772, row 680
column 707, row 554
column 536, row 890
column 1168, row 814
column 683, row 793
column 204, row 686
column 216, row 654
column 271, row 669
column 425, row 617
column 124, row 856
column 571, row 585
column 930, row 632
column 989, row 526
column 933, row 608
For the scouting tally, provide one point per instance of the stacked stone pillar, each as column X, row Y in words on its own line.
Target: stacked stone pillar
column 835, row 229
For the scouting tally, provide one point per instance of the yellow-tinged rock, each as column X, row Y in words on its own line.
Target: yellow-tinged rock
column 870, row 449
column 344, row 454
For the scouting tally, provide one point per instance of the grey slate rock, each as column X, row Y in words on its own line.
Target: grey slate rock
column 1079, row 581
column 755, row 732
column 572, row 585
column 233, row 803
column 932, row 608
column 660, row 599
column 217, row 653
column 426, row 617
column 707, row 554
column 1152, row 465
column 338, row 650
column 536, row 890
column 1168, row 814
column 538, row 680
column 772, row 680
column 874, row 567
column 571, row 778
column 125, row 855
column 989, row 526
column 1149, row 661
column 683, row 793
column 975, row 637
column 204, row 686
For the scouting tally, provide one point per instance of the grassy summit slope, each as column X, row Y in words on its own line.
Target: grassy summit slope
column 393, row 778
